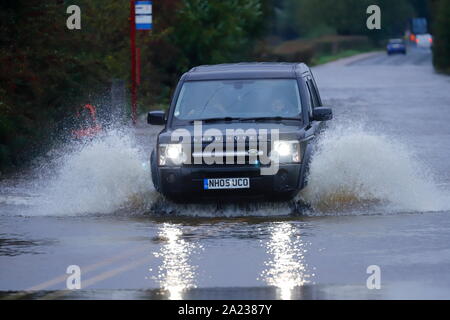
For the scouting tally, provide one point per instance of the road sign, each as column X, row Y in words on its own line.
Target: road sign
column 140, row 19
column 143, row 7
column 143, row 12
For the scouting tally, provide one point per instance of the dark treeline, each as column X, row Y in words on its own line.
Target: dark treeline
column 441, row 29
column 308, row 18
column 48, row 70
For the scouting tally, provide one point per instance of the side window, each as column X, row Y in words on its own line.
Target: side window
column 316, row 90
column 313, row 94
column 310, row 102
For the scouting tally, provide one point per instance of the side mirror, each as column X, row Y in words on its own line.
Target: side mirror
column 322, row 114
column 156, row 117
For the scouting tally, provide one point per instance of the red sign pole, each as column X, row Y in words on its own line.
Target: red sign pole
column 138, row 66
column 133, row 61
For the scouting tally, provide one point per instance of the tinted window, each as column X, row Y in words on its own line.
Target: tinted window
column 313, row 94
column 238, row 98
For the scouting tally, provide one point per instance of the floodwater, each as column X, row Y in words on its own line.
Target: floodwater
column 379, row 195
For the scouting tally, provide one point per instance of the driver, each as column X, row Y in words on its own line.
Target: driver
column 279, row 107
column 216, row 109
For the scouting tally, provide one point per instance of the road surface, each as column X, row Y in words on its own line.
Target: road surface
column 379, row 188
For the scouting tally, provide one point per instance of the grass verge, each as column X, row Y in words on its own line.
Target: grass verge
column 322, row 59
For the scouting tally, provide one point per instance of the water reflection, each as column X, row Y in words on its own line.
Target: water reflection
column 286, row 269
column 175, row 274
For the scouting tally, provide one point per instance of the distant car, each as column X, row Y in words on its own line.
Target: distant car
column 424, row 40
column 396, row 46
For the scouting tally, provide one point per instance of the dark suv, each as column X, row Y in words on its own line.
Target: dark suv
column 238, row 130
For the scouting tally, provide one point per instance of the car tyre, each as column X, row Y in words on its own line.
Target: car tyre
column 154, row 169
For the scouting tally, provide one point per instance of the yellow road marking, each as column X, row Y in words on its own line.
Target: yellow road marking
column 62, row 278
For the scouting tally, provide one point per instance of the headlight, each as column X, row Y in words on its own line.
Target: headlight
column 174, row 151
column 171, row 154
column 287, row 151
column 283, row 148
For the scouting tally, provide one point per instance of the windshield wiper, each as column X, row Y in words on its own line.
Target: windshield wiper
column 225, row 119
column 228, row 119
column 277, row 118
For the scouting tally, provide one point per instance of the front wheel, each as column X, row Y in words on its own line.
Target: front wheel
column 304, row 173
column 154, row 168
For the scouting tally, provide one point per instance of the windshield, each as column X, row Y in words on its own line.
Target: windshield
column 199, row 100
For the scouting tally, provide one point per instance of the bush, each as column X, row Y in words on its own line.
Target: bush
column 307, row 50
column 49, row 71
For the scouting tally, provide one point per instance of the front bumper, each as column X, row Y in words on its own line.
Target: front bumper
column 188, row 181
column 396, row 50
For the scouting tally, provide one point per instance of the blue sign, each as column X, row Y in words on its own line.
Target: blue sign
column 143, row 14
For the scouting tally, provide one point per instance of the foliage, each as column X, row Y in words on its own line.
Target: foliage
column 441, row 49
column 313, row 18
column 212, row 32
column 49, row 70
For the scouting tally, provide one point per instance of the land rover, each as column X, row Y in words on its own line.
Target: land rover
column 238, row 130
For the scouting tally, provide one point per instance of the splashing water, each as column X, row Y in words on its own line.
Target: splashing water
column 355, row 168
column 100, row 176
column 111, row 175
column 220, row 209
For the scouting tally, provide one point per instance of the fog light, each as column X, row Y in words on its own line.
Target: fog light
column 171, row 178
column 283, row 176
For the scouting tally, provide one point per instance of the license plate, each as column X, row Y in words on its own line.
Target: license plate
column 226, row 183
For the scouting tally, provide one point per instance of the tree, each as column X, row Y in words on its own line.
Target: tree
column 348, row 17
column 49, row 70
column 216, row 31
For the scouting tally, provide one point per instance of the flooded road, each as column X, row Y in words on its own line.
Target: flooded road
column 379, row 191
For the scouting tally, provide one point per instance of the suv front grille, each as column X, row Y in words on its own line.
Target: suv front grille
column 243, row 156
